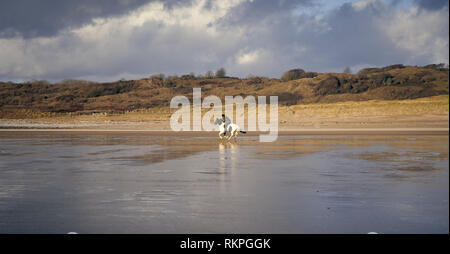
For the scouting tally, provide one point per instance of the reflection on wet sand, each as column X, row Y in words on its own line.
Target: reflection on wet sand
column 229, row 152
column 138, row 183
column 286, row 146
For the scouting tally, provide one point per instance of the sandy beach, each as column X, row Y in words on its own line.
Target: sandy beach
column 419, row 114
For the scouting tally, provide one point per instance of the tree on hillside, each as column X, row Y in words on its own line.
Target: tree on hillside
column 209, row 74
column 220, row 73
column 347, row 70
column 292, row 74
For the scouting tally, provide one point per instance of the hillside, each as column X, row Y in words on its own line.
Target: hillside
column 395, row 82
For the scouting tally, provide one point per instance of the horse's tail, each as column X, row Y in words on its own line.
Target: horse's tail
column 243, row 132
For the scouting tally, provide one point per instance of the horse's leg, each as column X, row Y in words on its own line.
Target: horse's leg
column 235, row 135
column 232, row 133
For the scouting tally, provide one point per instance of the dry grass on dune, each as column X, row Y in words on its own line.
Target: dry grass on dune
column 148, row 93
column 435, row 105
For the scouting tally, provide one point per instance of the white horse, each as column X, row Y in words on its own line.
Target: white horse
column 231, row 128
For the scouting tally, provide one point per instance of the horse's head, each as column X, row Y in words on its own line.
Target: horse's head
column 218, row 121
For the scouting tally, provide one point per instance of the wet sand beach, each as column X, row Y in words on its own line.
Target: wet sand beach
column 316, row 131
column 156, row 182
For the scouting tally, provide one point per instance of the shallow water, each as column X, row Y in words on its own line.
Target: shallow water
column 141, row 183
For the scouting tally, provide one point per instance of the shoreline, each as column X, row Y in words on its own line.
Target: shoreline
column 324, row 131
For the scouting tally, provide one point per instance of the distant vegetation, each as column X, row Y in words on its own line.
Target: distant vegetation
column 220, row 73
column 209, row 74
column 375, row 70
column 292, row 74
column 295, row 87
column 297, row 74
column 74, row 81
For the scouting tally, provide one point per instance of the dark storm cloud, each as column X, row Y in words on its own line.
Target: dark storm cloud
column 432, row 4
column 47, row 17
column 255, row 11
column 352, row 38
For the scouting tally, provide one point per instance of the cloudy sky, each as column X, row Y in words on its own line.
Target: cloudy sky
column 108, row 40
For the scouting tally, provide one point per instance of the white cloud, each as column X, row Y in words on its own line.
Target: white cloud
column 421, row 32
column 248, row 58
column 361, row 5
